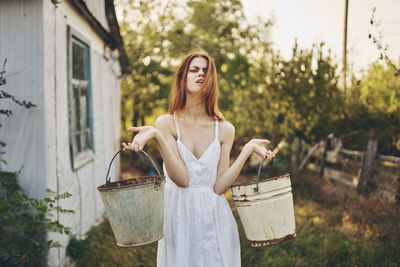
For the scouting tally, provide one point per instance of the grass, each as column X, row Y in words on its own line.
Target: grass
column 333, row 229
column 100, row 249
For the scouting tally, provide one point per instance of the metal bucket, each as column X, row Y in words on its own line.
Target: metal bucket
column 266, row 210
column 135, row 207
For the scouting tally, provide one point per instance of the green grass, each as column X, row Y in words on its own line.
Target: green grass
column 333, row 229
column 100, row 249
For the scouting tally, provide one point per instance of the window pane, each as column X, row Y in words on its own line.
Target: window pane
column 79, row 61
column 80, row 105
column 78, row 142
column 86, row 139
column 83, row 100
column 76, row 108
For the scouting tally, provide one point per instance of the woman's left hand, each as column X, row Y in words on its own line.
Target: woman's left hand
column 144, row 134
column 258, row 146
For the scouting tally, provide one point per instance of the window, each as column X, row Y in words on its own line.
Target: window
column 79, row 104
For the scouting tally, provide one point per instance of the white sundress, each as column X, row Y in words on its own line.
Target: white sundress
column 199, row 227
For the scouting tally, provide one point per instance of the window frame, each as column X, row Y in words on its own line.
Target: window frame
column 86, row 155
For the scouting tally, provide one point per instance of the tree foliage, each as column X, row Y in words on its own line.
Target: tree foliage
column 374, row 106
column 261, row 93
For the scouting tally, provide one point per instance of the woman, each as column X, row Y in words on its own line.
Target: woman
column 195, row 142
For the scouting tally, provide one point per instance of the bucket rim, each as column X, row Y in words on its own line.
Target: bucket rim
column 131, row 182
column 140, row 244
column 264, row 243
column 286, row 175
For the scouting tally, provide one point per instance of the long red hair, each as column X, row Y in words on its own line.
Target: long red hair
column 208, row 92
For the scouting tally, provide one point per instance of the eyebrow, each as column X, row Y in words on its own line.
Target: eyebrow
column 197, row 67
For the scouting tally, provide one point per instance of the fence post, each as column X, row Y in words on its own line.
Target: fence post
column 365, row 181
column 327, row 140
column 296, row 151
column 322, row 168
column 398, row 191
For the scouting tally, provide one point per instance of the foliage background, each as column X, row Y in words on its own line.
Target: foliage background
column 261, row 93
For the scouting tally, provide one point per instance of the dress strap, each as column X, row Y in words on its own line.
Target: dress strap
column 216, row 129
column 177, row 126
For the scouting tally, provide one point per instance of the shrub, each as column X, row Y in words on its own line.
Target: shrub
column 76, row 247
column 24, row 223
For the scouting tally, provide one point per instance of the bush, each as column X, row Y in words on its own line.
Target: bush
column 25, row 222
column 76, row 247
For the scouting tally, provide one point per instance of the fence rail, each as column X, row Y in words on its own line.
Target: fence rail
column 356, row 169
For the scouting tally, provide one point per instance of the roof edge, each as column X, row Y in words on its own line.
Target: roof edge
column 116, row 36
column 113, row 39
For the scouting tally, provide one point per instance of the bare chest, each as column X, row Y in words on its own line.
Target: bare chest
column 197, row 139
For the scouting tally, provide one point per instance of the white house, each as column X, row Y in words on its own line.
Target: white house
column 65, row 56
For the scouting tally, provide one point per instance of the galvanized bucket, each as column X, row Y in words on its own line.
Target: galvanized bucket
column 135, row 207
column 266, row 210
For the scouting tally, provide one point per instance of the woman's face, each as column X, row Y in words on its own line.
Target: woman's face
column 196, row 74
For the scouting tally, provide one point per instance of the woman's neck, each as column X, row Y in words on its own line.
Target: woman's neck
column 195, row 112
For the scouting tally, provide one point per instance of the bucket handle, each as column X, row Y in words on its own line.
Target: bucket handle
column 259, row 171
column 108, row 179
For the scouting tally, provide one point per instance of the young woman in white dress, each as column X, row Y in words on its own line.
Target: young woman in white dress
column 195, row 142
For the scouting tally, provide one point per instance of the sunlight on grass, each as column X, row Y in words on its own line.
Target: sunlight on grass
column 331, row 231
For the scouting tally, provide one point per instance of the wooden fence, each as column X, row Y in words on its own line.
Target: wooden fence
column 364, row 171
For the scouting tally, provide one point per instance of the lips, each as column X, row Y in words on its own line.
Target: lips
column 200, row 81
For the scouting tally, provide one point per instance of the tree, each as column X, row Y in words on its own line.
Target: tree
column 260, row 93
column 146, row 87
column 375, row 105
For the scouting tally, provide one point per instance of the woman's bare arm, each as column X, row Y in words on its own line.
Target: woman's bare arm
column 166, row 143
column 167, row 146
column 226, row 175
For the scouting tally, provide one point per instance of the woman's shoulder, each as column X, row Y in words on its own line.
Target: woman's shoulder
column 227, row 130
column 166, row 123
column 226, row 126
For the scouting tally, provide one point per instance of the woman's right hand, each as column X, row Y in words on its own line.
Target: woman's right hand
column 258, row 146
column 144, row 134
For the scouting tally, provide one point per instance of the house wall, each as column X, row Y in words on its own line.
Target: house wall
column 61, row 177
column 33, row 38
column 21, row 42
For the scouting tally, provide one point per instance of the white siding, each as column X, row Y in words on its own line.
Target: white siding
column 33, row 38
column 80, row 183
column 21, row 42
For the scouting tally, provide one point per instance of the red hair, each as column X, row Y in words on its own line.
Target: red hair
column 208, row 92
